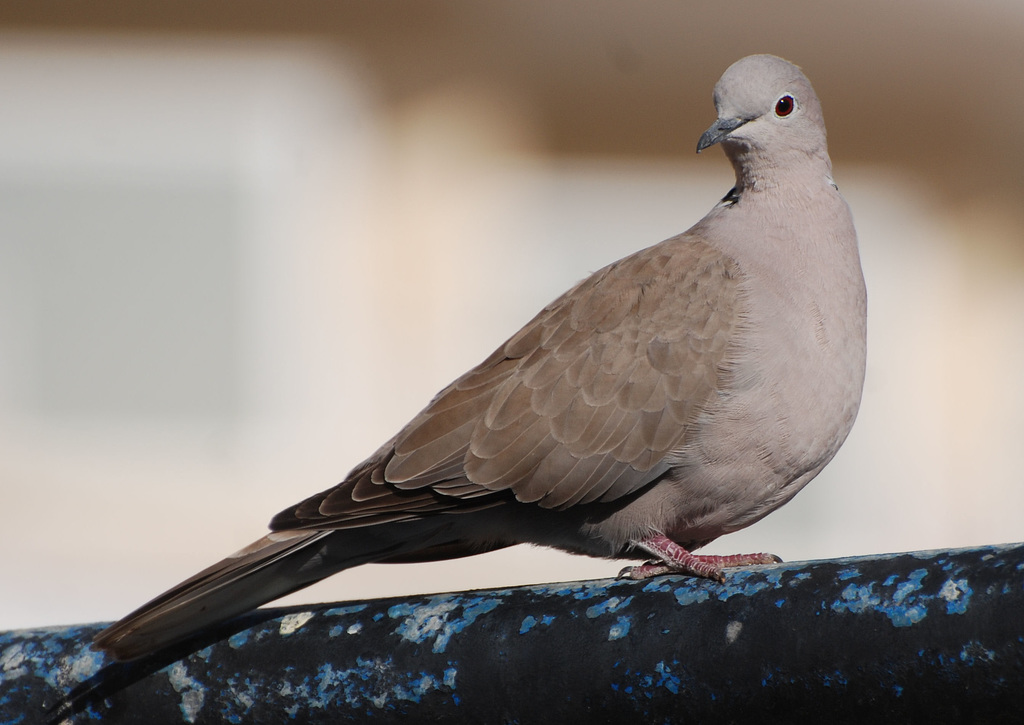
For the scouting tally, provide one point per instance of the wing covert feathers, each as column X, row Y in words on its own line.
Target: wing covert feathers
column 581, row 405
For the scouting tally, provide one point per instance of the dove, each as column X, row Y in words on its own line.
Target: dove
column 676, row 395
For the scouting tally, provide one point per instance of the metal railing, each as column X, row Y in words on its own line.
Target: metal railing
column 918, row 637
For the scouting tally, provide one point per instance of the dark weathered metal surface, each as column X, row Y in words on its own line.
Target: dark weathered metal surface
column 923, row 637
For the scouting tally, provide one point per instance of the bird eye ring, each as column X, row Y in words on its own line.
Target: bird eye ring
column 785, row 106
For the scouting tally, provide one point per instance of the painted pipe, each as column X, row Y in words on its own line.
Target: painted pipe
column 919, row 637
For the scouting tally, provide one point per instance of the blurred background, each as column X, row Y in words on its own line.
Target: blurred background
column 242, row 243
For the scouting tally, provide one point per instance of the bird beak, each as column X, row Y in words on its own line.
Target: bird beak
column 718, row 131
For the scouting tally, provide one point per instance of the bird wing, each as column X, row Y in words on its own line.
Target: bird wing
column 581, row 405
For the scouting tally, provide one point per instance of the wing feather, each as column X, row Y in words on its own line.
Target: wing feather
column 583, row 404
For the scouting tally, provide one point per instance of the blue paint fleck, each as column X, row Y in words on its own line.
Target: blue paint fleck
column 904, row 608
column 576, row 590
column 239, row 640
column 779, row 603
column 416, row 690
column 906, row 616
column 776, row 573
column 845, row 574
column 957, row 593
column 742, row 584
column 692, row 595
column 658, row 584
column 834, row 678
column 857, row 599
column 974, row 651
column 400, row 610
column 619, row 630
column 910, row 586
column 610, row 605
column 668, row 680
column 449, row 677
column 529, row 622
column 436, row 618
column 193, row 694
column 242, row 697
column 341, row 611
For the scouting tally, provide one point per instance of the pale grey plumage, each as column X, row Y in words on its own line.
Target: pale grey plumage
column 676, row 395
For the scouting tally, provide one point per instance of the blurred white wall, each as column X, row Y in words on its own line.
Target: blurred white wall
column 227, row 274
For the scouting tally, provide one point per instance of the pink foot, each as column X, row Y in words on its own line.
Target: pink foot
column 674, row 559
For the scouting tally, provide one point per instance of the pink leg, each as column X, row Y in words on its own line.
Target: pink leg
column 674, row 559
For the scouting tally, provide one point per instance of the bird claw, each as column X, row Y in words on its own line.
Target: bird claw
column 645, row 571
column 674, row 559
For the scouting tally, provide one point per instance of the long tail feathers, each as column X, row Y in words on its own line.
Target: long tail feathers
column 277, row 564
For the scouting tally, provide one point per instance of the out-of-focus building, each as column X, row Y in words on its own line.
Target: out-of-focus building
column 241, row 244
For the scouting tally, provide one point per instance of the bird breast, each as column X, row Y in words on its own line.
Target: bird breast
column 791, row 382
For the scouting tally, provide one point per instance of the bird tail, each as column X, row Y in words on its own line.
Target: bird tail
column 278, row 564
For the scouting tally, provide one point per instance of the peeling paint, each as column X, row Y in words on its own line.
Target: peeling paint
column 339, row 629
column 530, row 621
column 13, row 663
column 691, row 595
column 612, row 604
column 434, row 619
column 904, row 606
column 84, row 665
column 423, row 621
column 668, row 680
column 659, row 584
column 292, row 623
column 449, row 677
column 743, row 583
column 619, row 630
column 857, row 598
column 343, row 611
column 243, row 695
column 957, row 593
column 191, row 690
column 416, row 689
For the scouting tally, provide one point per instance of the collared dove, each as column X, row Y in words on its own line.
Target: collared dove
column 678, row 394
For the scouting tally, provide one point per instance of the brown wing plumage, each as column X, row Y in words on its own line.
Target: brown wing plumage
column 582, row 405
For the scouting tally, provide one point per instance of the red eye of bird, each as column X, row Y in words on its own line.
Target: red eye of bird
column 784, row 106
